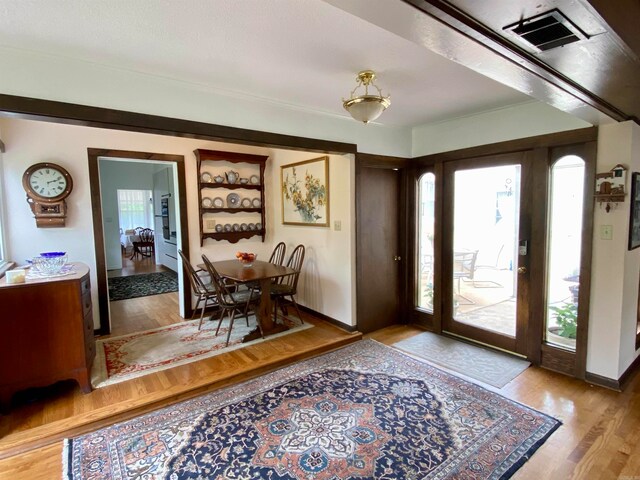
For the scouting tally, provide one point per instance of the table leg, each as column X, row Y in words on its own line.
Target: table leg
column 263, row 314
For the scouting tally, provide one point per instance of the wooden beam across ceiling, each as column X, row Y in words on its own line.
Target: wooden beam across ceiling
column 602, row 71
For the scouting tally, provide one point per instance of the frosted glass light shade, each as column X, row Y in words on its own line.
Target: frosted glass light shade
column 366, row 108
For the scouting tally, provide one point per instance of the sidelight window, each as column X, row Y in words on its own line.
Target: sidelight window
column 564, row 249
column 426, row 212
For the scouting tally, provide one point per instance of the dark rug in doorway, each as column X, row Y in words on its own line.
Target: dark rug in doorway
column 133, row 286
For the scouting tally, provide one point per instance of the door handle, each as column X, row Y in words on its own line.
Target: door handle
column 397, row 258
column 522, row 269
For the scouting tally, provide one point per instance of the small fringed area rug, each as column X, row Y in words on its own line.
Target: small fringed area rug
column 143, row 285
column 365, row 411
column 130, row 356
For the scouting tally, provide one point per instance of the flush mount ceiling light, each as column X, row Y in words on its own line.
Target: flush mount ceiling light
column 366, row 108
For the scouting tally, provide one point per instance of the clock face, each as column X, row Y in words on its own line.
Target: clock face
column 48, row 182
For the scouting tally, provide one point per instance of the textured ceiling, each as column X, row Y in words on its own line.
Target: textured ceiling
column 303, row 53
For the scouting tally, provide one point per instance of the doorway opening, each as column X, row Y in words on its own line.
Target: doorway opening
column 137, row 201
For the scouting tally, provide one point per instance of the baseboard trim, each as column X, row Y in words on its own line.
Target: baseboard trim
column 628, row 374
column 601, row 381
column 617, row 385
column 328, row 319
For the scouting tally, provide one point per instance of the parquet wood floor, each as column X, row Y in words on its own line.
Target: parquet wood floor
column 600, row 437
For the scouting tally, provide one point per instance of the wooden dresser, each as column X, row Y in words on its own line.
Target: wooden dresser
column 46, row 333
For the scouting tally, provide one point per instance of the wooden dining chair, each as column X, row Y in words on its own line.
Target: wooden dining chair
column 228, row 301
column 277, row 256
column 201, row 286
column 287, row 286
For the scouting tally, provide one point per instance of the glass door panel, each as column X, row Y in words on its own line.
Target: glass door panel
column 564, row 250
column 485, row 241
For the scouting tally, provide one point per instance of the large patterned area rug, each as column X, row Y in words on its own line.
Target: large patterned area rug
column 366, row 411
column 488, row 366
column 143, row 285
column 130, row 356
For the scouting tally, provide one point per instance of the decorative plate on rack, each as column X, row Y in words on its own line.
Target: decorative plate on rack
column 244, row 227
column 235, row 227
column 219, row 227
column 254, row 180
column 206, row 177
column 256, row 203
column 218, row 202
column 227, row 227
column 233, row 200
column 251, row 226
column 258, row 226
column 246, row 202
column 206, row 202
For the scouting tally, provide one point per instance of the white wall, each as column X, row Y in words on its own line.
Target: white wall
column 74, row 81
column 327, row 284
column 119, row 175
column 510, row 123
column 615, row 271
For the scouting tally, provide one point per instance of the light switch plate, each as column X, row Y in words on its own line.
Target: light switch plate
column 606, row 232
column 337, row 225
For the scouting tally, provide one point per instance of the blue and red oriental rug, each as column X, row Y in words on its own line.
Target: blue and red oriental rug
column 365, row 411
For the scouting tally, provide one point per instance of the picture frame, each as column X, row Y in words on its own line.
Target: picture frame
column 634, row 220
column 304, row 189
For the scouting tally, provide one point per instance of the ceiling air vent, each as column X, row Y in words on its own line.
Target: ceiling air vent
column 547, row 30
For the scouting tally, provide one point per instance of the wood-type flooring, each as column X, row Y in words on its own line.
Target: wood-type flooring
column 599, row 439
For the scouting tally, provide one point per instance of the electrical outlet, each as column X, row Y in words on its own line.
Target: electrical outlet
column 337, row 225
column 210, row 224
column 606, row 232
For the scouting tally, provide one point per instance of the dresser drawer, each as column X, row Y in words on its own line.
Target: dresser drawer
column 86, row 304
column 85, row 286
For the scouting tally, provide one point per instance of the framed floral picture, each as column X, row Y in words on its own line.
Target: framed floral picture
column 305, row 192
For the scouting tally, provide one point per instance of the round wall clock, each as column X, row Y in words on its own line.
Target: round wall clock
column 47, row 185
column 47, row 182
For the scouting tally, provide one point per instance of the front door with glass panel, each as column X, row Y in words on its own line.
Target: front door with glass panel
column 485, row 250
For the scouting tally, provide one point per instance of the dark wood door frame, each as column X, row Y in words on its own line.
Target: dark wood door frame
column 98, row 233
column 544, row 150
column 364, row 160
column 517, row 344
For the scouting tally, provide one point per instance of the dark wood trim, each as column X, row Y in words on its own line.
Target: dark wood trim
column 601, row 381
column 381, row 161
column 87, row 116
column 618, row 385
column 581, row 135
column 589, row 155
column 98, row 233
column 431, row 321
column 328, row 319
column 629, row 373
column 537, row 255
column 558, row 360
column 459, row 21
column 364, row 160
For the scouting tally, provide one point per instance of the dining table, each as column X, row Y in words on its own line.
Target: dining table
column 264, row 273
